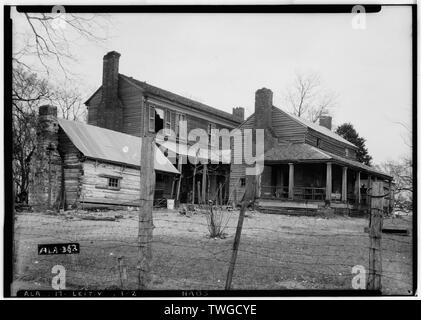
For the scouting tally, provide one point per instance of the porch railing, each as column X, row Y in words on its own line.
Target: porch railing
column 300, row 193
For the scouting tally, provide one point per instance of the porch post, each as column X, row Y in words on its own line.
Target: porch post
column 344, row 183
column 291, row 181
column 279, row 182
column 329, row 181
column 358, row 188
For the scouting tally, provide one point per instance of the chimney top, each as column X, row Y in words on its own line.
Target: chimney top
column 112, row 54
column 326, row 121
column 47, row 110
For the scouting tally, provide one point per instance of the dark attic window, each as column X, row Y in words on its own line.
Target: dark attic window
column 243, row 181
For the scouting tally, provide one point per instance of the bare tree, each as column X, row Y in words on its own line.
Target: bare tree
column 28, row 94
column 69, row 103
column 50, row 37
column 307, row 98
column 402, row 172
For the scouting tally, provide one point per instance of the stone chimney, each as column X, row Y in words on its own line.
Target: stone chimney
column 238, row 113
column 263, row 109
column 326, row 121
column 110, row 114
column 46, row 163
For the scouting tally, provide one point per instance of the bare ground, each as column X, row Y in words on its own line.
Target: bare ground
column 276, row 252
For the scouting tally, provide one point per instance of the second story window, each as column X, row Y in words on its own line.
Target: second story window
column 212, row 133
column 156, row 119
column 318, row 142
column 346, row 152
column 179, row 131
column 168, row 121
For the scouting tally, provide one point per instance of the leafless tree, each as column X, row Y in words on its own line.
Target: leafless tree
column 50, row 38
column 28, row 94
column 69, row 104
column 307, row 98
column 402, row 172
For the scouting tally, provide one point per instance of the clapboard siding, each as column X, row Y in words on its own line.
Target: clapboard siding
column 286, row 128
column 93, row 107
column 238, row 171
column 131, row 98
column 329, row 144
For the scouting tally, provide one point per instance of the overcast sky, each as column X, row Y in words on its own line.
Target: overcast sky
column 222, row 59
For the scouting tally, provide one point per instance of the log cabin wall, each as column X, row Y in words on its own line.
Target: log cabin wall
column 72, row 171
column 105, row 183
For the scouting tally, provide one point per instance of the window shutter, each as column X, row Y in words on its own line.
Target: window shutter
column 151, row 119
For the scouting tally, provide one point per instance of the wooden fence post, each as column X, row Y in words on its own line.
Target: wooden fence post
column 247, row 197
column 145, row 230
column 376, row 225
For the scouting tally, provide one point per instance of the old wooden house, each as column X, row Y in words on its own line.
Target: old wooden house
column 136, row 108
column 306, row 165
column 80, row 165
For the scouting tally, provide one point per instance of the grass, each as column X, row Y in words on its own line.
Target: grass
column 276, row 252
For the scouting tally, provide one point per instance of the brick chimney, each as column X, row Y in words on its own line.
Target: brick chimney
column 238, row 113
column 46, row 163
column 326, row 121
column 263, row 109
column 110, row 115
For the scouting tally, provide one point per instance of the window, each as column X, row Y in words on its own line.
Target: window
column 114, row 183
column 318, row 142
column 346, row 152
column 179, row 118
column 168, row 121
column 243, row 182
column 212, row 133
column 151, row 119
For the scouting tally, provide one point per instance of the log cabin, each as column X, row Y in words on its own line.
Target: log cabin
column 79, row 165
column 307, row 167
column 137, row 108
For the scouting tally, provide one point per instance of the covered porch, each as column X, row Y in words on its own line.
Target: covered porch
column 299, row 175
column 317, row 182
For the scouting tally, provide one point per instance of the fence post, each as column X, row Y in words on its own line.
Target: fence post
column 247, row 197
column 376, row 225
column 147, row 188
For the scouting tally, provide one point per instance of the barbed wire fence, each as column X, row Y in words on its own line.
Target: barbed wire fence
column 276, row 252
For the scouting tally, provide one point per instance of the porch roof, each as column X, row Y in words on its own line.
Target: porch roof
column 303, row 152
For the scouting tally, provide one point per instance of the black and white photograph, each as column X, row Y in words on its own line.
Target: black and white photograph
column 210, row 151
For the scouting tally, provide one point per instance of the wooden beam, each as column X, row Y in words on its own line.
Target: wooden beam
column 357, row 190
column 204, row 184
column 376, row 226
column 344, row 183
column 248, row 196
column 180, row 168
column 291, row 181
column 329, row 181
column 194, row 183
column 145, row 229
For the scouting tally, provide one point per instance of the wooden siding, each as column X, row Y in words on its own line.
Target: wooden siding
column 238, row 171
column 93, row 108
column 286, row 128
column 95, row 188
column 131, row 98
column 329, row 144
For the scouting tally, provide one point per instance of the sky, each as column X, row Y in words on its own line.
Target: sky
column 222, row 59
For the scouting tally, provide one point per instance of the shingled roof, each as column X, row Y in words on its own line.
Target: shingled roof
column 303, row 152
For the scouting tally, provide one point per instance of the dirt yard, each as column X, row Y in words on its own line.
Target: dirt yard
column 276, row 252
